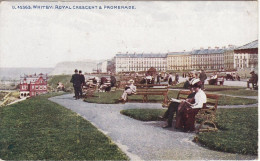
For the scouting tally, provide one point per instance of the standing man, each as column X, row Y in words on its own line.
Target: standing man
column 203, row 77
column 158, row 78
column 76, row 83
column 253, row 80
column 82, row 82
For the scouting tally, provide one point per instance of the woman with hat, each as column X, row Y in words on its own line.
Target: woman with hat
column 128, row 91
column 173, row 108
column 187, row 111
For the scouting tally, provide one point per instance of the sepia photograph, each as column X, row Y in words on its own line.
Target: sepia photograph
column 123, row 80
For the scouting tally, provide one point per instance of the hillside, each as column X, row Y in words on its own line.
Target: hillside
column 68, row 67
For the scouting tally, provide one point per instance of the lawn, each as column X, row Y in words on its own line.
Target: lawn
column 237, row 129
column 239, row 92
column 144, row 114
column 112, row 98
column 65, row 79
column 38, row 129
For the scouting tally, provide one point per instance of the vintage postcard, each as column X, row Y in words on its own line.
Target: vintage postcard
column 124, row 80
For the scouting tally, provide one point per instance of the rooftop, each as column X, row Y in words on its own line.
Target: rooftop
column 251, row 45
column 142, row 55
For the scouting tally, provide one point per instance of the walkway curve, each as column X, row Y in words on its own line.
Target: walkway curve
column 143, row 140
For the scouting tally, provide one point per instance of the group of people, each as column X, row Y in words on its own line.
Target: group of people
column 78, row 81
column 201, row 76
column 187, row 109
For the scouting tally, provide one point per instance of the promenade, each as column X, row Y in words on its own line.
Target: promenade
column 143, row 140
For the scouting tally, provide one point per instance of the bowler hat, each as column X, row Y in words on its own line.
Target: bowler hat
column 76, row 70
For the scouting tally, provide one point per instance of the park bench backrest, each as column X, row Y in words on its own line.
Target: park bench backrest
column 183, row 94
column 212, row 99
column 151, row 88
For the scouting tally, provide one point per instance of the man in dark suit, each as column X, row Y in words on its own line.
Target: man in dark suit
column 202, row 77
column 82, row 83
column 253, row 80
column 76, row 83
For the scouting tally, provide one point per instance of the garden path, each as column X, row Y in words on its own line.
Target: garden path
column 143, row 140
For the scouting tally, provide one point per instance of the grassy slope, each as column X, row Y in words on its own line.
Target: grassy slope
column 65, row 79
column 237, row 129
column 40, row 129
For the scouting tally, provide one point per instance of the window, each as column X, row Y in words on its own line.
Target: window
column 36, row 87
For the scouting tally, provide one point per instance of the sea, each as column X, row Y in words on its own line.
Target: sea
column 7, row 74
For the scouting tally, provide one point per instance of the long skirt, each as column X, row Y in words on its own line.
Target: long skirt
column 185, row 118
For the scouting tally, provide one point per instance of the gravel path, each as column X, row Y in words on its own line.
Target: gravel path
column 142, row 140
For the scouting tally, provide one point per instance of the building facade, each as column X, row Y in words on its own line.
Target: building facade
column 140, row 62
column 179, row 61
column 33, row 85
column 246, row 56
column 208, row 59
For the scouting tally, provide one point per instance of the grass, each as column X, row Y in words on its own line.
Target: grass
column 144, row 114
column 222, row 87
column 65, row 79
column 112, row 98
column 239, row 92
column 38, row 129
column 237, row 129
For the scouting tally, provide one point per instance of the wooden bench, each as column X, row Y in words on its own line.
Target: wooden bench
column 220, row 81
column 208, row 115
column 205, row 115
column 152, row 89
column 89, row 91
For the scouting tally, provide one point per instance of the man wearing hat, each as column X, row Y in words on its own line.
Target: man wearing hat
column 128, row 91
column 187, row 111
column 76, row 83
column 82, row 83
column 253, row 79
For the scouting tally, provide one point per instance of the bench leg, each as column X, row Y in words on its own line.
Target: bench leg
column 165, row 101
column 145, row 98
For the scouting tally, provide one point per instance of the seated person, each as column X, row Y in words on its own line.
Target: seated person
column 105, row 87
column 128, row 91
column 187, row 111
column 60, row 86
column 173, row 107
column 94, row 80
column 213, row 79
column 253, row 79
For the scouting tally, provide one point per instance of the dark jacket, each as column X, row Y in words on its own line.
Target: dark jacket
column 82, row 79
column 254, row 78
column 76, row 80
column 203, row 76
column 113, row 81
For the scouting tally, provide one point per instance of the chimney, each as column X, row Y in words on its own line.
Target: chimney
column 209, row 47
column 201, row 48
column 224, row 47
column 216, row 47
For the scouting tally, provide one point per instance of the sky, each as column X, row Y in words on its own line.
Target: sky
column 42, row 38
